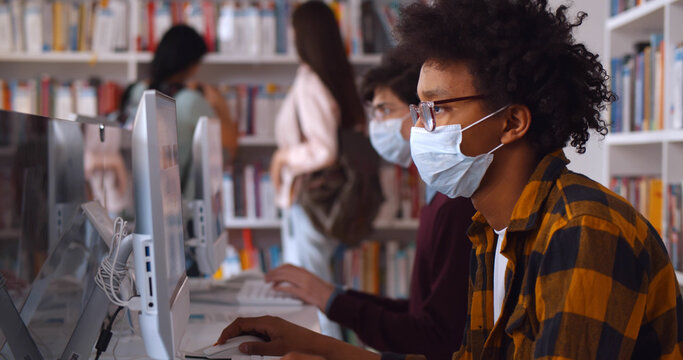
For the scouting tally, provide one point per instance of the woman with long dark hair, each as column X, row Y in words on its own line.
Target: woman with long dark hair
column 322, row 100
column 176, row 62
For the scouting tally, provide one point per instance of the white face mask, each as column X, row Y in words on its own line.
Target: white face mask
column 386, row 138
column 443, row 166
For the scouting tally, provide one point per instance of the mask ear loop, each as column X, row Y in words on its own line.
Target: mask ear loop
column 496, row 148
column 486, row 117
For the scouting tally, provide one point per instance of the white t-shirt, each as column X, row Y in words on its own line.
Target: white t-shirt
column 499, row 265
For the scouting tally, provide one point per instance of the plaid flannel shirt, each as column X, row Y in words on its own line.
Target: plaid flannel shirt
column 588, row 277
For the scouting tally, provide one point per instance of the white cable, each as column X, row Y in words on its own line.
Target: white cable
column 108, row 278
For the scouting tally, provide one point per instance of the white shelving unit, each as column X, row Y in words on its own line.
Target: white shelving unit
column 647, row 153
column 131, row 63
column 259, row 224
column 257, row 141
column 218, row 68
column 246, row 223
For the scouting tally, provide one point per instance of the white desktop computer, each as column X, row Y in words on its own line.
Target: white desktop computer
column 207, row 208
column 158, row 242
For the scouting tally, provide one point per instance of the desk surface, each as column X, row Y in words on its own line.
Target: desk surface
column 207, row 321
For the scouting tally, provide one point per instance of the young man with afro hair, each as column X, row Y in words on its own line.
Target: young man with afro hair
column 561, row 267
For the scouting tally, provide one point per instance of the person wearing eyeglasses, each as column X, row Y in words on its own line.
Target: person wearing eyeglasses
column 561, row 267
column 432, row 320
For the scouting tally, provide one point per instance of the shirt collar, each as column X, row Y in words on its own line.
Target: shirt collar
column 526, row 213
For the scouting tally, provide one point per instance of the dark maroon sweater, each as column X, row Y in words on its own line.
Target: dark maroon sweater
column 432, row 321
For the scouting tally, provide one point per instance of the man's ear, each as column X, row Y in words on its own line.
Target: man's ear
column 518, row 121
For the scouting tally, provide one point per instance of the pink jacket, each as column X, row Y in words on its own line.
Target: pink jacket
column 319, row 116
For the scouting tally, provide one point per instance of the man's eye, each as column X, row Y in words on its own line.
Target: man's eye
column 438, row 109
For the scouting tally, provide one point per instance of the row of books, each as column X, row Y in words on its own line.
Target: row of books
column 60, row 25
column 404, row 193
column 248, row 193
column 645, row 194
column 638, row 81
column 252, row 257
column 261, row 27
column 249, row 27
column 677, row 89
column 380, row 268
column 619, row 6
column 49, row 97
column 254, row 107
column 675, row 225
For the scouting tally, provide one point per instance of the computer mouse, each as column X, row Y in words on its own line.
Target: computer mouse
column 230, row 348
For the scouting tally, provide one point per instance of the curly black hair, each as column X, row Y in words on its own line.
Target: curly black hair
column 518, row 51
column 399, row 76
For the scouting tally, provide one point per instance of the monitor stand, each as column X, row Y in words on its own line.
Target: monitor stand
column 19, row 339
column 82, row 341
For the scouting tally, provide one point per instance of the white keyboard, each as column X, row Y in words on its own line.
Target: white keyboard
column 258, row 292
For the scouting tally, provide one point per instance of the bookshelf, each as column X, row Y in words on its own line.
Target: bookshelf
column 648, row 153
column 257, row 141
column 259, row 224
column 223, row 68
column 131, row 63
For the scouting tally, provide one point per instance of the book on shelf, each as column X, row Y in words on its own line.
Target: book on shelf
column 36, row 26
column 677, row 89
column 645, row 194
column 254, row 107
column 248, row 193
column 47, row 96
column 404, row 193
column 261, row 258
column 262, row 27
column 229, row 27
column 675, row 225
column 638, row 81
column 619, row 6
column 375, row 267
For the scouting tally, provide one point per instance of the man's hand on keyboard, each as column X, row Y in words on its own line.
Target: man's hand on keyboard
column 299, row 356
column 302, row 284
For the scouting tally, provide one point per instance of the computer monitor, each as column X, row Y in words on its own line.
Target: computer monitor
column 107, row 161
column 158, row 244
column 66, row 182
column 207, row 208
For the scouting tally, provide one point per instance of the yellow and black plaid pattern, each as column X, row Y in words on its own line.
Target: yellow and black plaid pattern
column 587, row 278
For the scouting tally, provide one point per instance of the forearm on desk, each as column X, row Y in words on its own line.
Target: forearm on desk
column 333, row 349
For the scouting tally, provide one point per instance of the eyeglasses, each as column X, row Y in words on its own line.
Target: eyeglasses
column 428, row 110
column 381, row 111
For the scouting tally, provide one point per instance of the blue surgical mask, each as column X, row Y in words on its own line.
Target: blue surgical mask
column 387, row 140
column 441, row 163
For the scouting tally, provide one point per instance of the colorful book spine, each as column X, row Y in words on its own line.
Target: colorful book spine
column 646, row 194
column 376, row 267
column 677, row 93
column 49, row 97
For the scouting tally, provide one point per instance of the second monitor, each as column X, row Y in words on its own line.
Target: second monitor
column 207, row 207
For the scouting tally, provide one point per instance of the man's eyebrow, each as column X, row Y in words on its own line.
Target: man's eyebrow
column 434, row 94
